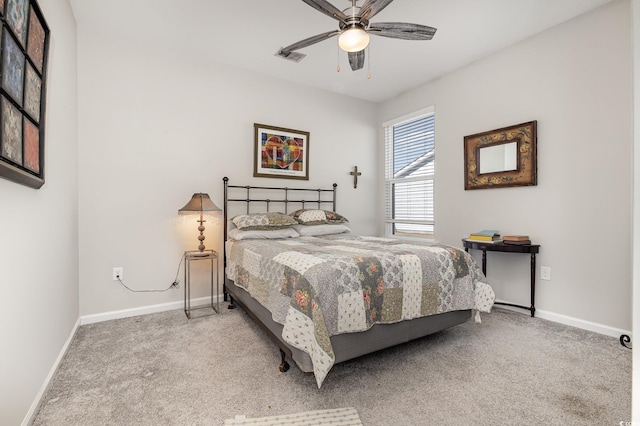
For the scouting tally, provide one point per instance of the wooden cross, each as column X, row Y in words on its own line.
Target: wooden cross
column 355, row 173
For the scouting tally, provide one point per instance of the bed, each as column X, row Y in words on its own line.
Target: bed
column 325, row 295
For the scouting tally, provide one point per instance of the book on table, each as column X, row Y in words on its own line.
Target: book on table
column 496, row 241
column 517, row 239
column 486, row 235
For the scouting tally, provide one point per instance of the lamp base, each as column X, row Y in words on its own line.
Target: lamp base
column 201, row 236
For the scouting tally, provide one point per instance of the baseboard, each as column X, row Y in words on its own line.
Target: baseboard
column 37, row 402
column 551, row 316
column 573, row 322
column 143, row 310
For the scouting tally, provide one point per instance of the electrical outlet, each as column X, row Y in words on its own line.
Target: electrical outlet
column 118, row 273
column 545, row 273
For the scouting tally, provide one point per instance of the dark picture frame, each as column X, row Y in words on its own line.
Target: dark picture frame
column 280, row 152
column 515, row 149
column 24, row 47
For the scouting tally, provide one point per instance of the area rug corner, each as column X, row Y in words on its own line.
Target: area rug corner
column 347, row 416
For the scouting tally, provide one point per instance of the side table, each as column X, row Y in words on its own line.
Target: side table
column 192, row 256
column 532, row 249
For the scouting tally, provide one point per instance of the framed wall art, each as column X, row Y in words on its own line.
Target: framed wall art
column 280, row 153
column 24, row 45
column 502, row 157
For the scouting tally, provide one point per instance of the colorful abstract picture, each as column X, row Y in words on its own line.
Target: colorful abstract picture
column 23, row 68
column 281, row 153
column 35, row 45
column 11, row 134
column 32, row 93
column 12, row 68
column 16, row 14
column 31, row 147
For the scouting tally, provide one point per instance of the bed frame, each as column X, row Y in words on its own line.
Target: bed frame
column 345, row 346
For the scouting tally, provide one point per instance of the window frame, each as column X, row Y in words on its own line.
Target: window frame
column 389, row 195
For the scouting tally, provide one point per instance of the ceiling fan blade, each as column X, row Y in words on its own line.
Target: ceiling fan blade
column 309, row 41
column 402, row 30
column 356, row 60
column 371, row 8
column 327, row 8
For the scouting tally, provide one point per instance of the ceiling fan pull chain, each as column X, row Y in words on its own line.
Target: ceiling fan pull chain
column 338, row 57
column 369, row 62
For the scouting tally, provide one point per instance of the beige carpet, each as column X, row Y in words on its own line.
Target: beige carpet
column 163, row 369
column 334, row 417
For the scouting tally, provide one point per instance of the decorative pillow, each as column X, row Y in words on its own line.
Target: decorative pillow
column 263, row 221
column 322, row 229
column 315, row 217
column 240, row 234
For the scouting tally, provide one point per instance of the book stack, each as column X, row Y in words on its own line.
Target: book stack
column 517, row 239
column 485, row 236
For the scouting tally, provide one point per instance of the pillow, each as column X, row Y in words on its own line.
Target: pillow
column 322, row 229
column 263, row 221
column 255, row 234
column 315, row 217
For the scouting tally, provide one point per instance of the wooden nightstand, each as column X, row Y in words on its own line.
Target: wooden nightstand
column 192, row 256
column 532, row 249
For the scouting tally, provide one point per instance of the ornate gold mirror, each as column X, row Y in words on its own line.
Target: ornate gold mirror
column 502, row 157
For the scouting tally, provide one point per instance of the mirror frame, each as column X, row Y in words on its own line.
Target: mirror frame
column 525, row 134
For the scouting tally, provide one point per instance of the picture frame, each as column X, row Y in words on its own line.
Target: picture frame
column 502, row 157
column 24, row 47
column 280, row 152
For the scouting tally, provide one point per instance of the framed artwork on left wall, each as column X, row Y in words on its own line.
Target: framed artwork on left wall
column 24, row 50
column 280, row 153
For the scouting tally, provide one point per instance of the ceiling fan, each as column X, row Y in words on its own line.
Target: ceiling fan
column 354, row 30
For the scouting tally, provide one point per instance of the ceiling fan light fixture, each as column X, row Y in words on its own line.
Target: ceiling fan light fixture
column 353, row 39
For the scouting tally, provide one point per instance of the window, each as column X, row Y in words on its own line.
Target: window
column 410, row 175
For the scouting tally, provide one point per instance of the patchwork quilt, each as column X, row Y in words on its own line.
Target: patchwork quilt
column 318, row 287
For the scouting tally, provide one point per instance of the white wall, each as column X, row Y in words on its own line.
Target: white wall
column 635, row 19
column 155, row 127
column 39, row 239
column 576, row 81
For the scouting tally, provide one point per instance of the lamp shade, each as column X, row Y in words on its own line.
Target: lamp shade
column 199, row 202
column 353, row 39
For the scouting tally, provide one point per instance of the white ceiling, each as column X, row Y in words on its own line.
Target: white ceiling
column 247, row 34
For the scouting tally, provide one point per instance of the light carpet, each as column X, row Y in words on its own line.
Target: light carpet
column 162, row 369
column 334, row 417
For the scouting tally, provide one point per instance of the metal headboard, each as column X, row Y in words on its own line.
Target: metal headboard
column 323, row 199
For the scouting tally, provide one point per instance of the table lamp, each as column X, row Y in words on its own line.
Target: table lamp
column 199, row 203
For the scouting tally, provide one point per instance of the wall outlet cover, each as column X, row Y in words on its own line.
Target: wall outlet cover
column 118, row 273
column 545, row 273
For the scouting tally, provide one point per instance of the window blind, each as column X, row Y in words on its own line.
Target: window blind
column 410, row 176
